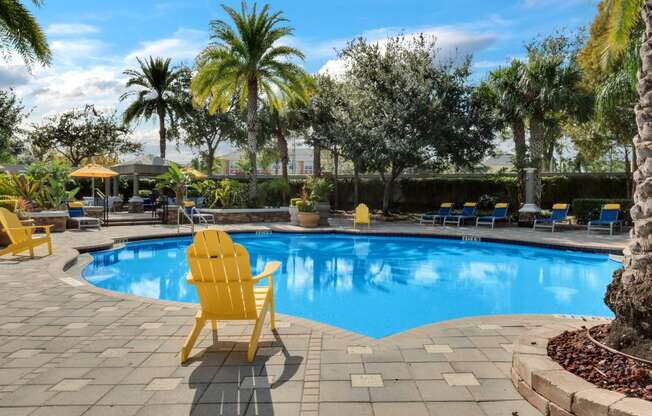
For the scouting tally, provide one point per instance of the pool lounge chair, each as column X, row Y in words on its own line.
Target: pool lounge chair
column 559, row 215
column 499, row 214
column 608, row 219
column 221, row 273
column 468, row 213
column 444, row 210
column 78, row 215
column 361, row 216
column 21, row 236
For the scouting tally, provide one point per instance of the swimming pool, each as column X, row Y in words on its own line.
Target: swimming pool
column 379, row 285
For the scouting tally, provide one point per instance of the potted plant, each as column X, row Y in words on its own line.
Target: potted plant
column 319, row 190
column 308, row 216
column 294, row 211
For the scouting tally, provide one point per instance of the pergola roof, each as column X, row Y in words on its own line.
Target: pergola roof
column 147, row 165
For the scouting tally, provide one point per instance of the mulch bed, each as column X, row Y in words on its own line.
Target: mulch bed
column 576, row 353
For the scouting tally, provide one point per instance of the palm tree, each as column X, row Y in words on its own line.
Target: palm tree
column 629, row 295
column 20, row 32
column 550, row 86
column 505, row 87
column 244, row 61
column 157, row 93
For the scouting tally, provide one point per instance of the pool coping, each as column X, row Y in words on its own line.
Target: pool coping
column 586, row 248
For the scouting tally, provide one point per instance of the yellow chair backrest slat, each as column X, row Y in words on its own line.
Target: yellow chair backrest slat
column 446, row 205
column 10, row 220
column 502, row 205
column 470, row 204
column 222, row 275
column 362, row 214
column 559, row 206
column 611, row 207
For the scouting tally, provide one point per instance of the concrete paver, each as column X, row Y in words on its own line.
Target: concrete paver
column 69, row 348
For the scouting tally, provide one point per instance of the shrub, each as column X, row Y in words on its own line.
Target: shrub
column 227, row 193
column 586, row 209
column 272, row 193
column 306, row 205
column 319, row 189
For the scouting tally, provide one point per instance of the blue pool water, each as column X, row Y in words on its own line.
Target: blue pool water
column 380, row 285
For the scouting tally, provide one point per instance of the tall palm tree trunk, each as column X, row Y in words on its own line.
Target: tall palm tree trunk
column 252, row 109
column 282, row 146
column 629, row 295
column 162, row 133
column 520, row 162
column 316, row 161
column 537, row 136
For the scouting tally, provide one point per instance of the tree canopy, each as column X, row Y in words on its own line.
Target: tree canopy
column 81, row 134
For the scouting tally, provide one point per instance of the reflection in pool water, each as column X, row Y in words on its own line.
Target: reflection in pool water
column 378, row 285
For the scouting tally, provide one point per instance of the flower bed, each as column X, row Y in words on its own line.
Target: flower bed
column 553, row 390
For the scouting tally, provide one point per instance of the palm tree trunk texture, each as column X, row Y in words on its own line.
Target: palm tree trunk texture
column 316, row 161
column 252, row 109
column 629, row 295
column 162, row 133
column 537, row 135
column 518, row 131
column 282, row 145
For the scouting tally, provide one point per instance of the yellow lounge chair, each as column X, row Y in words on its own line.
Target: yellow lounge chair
column 361, row 216
column 220, row 271
column 21, row 236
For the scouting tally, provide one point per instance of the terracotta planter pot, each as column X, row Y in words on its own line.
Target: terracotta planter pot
column 309, row 219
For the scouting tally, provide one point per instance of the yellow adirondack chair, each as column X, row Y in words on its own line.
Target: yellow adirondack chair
column 220, row 271
column 361, row 216
column 21, row 236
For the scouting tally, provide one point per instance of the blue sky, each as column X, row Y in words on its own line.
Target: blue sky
column 94, row 40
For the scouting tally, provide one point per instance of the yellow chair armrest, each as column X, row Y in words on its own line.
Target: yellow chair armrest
column 270, row 269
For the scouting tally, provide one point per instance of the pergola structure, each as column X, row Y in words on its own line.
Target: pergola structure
column 145, row 166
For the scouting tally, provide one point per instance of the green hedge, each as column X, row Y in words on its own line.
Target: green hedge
column 586, row 209
column 567, row 188
column 419, row 195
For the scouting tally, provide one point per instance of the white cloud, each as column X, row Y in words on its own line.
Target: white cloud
column 64, row 29
column 70, row 50
column 451, row 42
column 184, row 45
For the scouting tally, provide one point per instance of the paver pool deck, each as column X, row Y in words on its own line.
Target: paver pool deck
column 68, row 348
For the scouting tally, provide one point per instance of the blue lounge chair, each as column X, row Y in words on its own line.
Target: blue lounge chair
column 559, row 215
column 468, row 213
column 500, row 214
column 78, row 215
column 444, row 210
column 608, row 219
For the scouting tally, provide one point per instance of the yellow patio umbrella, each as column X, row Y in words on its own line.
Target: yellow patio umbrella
column 194, row 173
column 93, row 170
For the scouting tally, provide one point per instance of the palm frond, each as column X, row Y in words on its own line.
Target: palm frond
column 20, row 32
